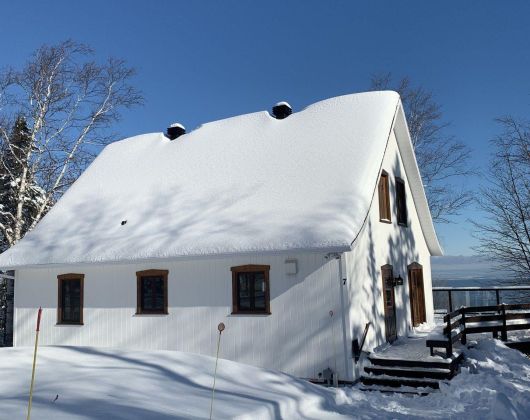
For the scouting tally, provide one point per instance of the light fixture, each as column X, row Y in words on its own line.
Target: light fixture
column 291, row 266
column 398, row 281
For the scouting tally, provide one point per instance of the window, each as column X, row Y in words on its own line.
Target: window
column 384, row 199
column 401, row 202
column 70, row 299
column 250, row 289
column 151, row 292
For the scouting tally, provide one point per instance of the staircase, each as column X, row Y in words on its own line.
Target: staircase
column 407, row 376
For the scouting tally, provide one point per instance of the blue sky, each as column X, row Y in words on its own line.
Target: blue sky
column 199, row 61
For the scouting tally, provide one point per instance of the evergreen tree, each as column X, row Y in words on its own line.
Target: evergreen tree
column 13, row 162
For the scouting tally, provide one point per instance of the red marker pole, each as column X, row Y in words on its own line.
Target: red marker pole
column 34, row 363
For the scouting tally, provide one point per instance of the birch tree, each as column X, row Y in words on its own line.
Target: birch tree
column 69, row 103
column 442, row 159
column 505, row 234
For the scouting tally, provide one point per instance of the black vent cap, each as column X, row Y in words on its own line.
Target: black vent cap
column 175, row 130
column 281, row 110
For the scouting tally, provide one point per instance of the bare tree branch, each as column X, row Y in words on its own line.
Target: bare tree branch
column 505, row 235
column 441, row 158
column 69, row 102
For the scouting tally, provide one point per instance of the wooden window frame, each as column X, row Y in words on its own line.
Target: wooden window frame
column 249, row 268
column 66, row 277
column 399, row 210
column 385, row 215
column 151, row 273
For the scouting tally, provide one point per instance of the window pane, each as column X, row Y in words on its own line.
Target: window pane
column 401, row 202
column 251, row 293
column 244, row 298
column 259, row 291
column 71, row 300
column 152, row 298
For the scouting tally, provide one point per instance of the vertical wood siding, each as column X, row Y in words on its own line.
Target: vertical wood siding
column 296, row 338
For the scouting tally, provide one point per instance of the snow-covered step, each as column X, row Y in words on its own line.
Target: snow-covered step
column 401, row 390
column 410, row 372
column 407, row 375
column 448, row 364
column 397, row 382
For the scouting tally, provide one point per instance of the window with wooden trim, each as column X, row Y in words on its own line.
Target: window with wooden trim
column 401, row 202
column 151, row 292
column 70, row 299
column 384, row 199
column 250, row 289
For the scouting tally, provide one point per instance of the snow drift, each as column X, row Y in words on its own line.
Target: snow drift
column 494, row 383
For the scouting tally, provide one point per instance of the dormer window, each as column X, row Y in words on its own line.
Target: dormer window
column 401, row 203
column 384, row 199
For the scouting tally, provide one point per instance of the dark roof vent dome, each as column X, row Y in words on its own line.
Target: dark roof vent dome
column 175, row 130
column 281, row 110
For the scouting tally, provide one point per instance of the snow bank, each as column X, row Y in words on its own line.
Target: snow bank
column 251, row 183
column 114, row 384
column 494, row 383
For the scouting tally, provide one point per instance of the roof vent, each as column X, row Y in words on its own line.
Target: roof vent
column 175, row 130
column 281, row 110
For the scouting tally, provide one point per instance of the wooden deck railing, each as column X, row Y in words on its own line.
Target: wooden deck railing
column 449, row 298
column 481, row 319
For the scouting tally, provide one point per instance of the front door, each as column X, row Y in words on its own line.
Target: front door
column 389, row 303
column 417, row 294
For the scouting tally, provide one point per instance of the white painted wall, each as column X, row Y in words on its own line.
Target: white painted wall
column 379, row 244
column 296, row 338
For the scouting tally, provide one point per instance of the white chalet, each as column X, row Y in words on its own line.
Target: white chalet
column 265, row 224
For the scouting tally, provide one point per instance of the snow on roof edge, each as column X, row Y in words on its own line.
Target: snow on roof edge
column 410, row 166
column 289, row 251
column 416, row 186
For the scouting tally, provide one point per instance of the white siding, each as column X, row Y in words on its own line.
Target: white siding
column 296, row 338
column 379, row 244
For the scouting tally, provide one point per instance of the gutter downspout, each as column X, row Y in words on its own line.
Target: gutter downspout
column 342, row 281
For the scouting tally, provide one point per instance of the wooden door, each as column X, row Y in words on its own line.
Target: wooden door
column 389, row 303
column 417, row 294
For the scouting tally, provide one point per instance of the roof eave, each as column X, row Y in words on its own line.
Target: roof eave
column 415, row 182
column 290, row 251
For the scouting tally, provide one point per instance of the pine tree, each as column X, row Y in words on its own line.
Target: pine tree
column 13, row 162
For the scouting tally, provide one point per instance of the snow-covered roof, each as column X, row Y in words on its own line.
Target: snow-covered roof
column 245, row 184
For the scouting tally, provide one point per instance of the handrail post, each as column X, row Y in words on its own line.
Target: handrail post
column 504, row 333
column 498, row 296
column 463, row 339
column 449, row 350
column 450, row 301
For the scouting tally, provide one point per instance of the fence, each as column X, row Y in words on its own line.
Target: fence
column 447, row 299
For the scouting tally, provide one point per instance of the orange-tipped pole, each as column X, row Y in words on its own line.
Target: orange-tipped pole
column 34, row 363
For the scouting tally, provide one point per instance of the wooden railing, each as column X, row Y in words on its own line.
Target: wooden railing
column 454, row 296
column 480, row 319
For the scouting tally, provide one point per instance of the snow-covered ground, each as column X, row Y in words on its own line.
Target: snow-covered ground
column 90, row 383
